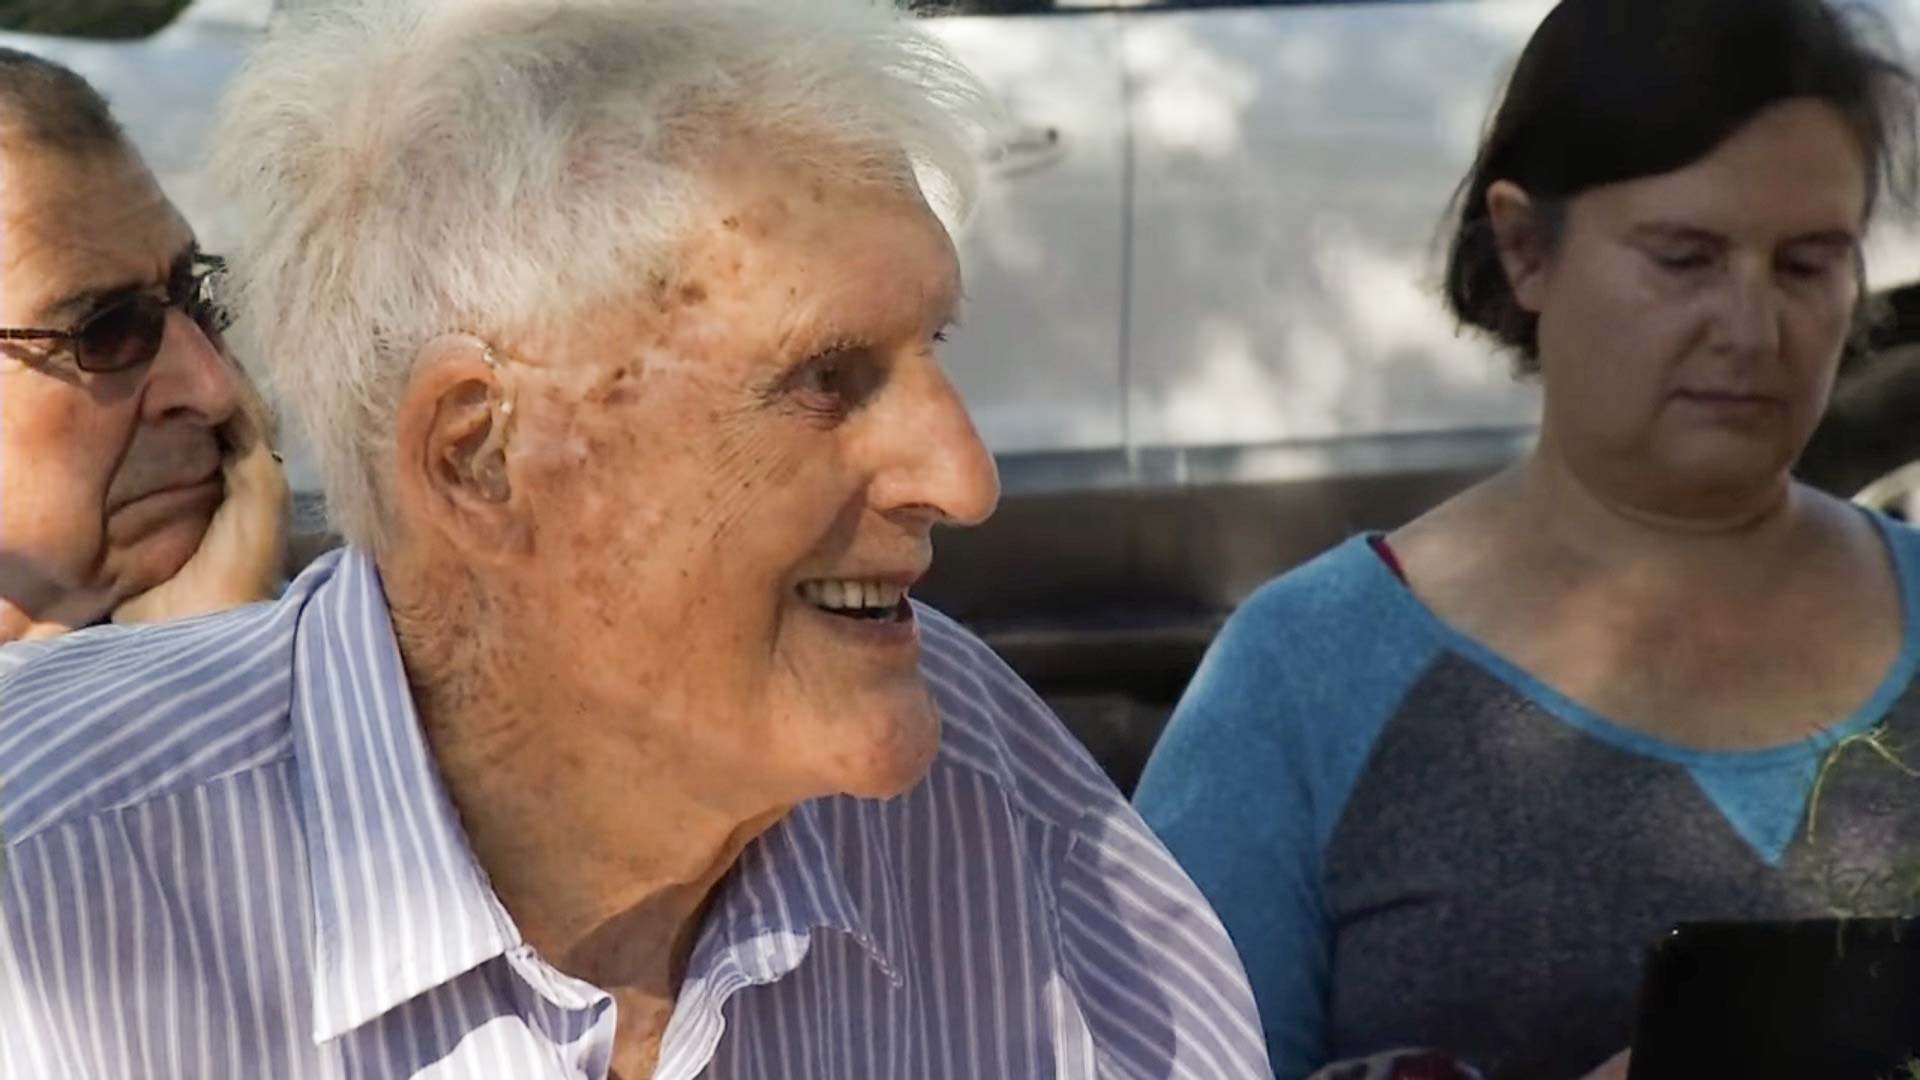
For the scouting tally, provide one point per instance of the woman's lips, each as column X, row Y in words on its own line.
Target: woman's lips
column 1731, row 401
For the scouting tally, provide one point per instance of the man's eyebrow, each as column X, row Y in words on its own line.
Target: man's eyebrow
column 76, row 304
column 80, row 302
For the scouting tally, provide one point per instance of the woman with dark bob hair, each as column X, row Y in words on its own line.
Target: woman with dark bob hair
column 1445, row 785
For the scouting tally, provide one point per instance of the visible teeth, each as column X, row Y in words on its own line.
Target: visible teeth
column 851, row 595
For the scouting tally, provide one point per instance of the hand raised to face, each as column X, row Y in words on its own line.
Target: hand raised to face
column 241, row 557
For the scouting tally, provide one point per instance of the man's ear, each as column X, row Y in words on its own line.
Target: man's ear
column 1520, row 232
column 453, row 471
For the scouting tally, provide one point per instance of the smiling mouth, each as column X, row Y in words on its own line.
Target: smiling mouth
column 865, row 601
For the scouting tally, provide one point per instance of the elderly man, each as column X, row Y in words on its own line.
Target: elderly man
column 611, row 745
column 134, row 480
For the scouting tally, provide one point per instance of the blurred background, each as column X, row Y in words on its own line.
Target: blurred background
column 1203, row 333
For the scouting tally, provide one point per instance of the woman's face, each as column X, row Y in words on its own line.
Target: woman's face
column 1691, row 323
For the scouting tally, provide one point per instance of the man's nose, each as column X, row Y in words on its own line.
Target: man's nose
column 191, row 378
column 933, row 462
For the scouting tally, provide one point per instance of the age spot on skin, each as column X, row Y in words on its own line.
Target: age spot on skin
column 613, row 389
column 658, row 291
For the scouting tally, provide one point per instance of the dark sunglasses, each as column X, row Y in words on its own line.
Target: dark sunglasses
column 125, row 332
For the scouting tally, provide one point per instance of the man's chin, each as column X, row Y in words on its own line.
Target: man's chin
column 149, row 557
column 166, row 515
column 895, row 758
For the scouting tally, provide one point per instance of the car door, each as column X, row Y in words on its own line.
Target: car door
column 1292, row 166
column 1037, row 355
column 163, row 91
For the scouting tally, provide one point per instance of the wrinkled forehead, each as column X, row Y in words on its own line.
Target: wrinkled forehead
column 81, row 223
column 773, row 255
column 798, row 254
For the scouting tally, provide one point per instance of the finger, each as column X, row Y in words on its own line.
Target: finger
column 252, row 420
column 256, row 483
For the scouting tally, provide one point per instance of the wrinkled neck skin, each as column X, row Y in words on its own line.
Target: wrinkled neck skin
column 604, row 856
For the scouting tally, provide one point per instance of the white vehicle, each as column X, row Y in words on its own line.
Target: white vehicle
column 1202, row 256
column 1203, row 332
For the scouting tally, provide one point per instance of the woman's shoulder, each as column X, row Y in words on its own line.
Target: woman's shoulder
column 1279, row 720
column 1344, row 599
column 1321, row 652
column 1862, row 535
column 1344, row 573
column 1902, row 536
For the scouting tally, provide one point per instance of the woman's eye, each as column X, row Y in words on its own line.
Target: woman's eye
column 1682, row 262
column 1808, row 268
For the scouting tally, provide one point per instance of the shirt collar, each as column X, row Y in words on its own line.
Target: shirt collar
column 802, row 875
column 400, row 903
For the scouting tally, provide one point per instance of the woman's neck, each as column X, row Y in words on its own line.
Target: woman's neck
column 1554, row 504
column 1542, row 530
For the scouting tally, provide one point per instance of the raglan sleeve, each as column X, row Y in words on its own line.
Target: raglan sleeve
column 1230, row 790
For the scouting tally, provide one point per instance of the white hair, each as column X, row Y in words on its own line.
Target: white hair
column 401, row 169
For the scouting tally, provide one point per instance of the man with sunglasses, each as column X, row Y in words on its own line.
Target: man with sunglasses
column 136, row 480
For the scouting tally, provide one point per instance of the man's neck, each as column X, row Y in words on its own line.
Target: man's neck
column 605, row 854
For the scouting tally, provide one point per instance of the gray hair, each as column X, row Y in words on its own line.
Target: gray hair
column 51, row 107
column 401, row 169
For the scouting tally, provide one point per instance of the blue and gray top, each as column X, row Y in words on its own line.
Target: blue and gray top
column 1412, row 841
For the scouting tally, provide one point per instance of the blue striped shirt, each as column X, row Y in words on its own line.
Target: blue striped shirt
column 228, row 854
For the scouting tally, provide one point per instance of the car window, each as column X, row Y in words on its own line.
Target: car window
column 1164, row 4
column 1056, row 7
column 1011, row 7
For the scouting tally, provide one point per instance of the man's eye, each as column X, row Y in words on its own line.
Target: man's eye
column 835, row 382
column 824, row 376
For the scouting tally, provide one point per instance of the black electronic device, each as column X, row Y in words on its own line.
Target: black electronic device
column 1818, row 999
